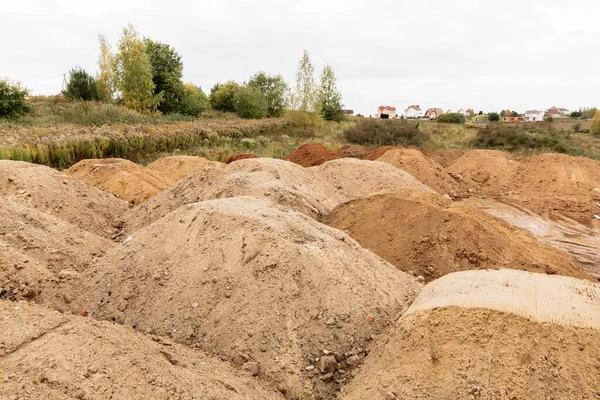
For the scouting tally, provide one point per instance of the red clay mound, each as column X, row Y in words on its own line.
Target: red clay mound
column 176, row 167
column 424, row 169
column 312, row 154
column 353, row 151
column 446, row 157
column 378, row 152
column 428, row 235
column 241, row 156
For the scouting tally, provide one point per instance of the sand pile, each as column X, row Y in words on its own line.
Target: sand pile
column 489, row 335
column 360, row 178
column 428, row 235
column 558, row 185
column 312, row 154
column 55, row 193
column 242, row 156
column 489, row 172
column 352, row 151
column 176, row 167
column 424, row 169
column 446, row 157
column 47, row 355
column 281, row 181
column 123, row 178
column 378, row 152
column 254, row 283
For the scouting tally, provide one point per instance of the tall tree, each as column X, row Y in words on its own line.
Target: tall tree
column 134, row 73
column 167, row 74
column 221, row 96
column 194, row 101
column 595, row 127
column 330, row 96
column 274, row 89
column 80, row 86
column 105, row 78
column 304, row 97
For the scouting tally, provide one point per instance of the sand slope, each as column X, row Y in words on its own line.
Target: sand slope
column 312, row 154
column 176, row 167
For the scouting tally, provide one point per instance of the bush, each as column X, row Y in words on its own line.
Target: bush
column 494, row 117
column 378, row 132
column 80, row 86
column 221, row 96
column 595, row 127
column 249, row 103
column 194, row 101
column 12, row 100
column 514, row 137
column 451, row 118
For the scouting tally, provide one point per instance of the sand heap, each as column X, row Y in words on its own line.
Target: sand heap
column 176, row 167
column 359, row 178
column 489, row 335
column 558, row 185
column 241, row 156
column 489, row 172
column 254, row 283
column 426, row 234
column 48, row 355
column 353, row 151
column 424, row 169
column 281, row 181
column 446, row 157
column 312, row 154
column 378, row 152
column 55, row 193
column 123, row 178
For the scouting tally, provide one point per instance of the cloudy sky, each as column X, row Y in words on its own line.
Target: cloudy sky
column 482, row 54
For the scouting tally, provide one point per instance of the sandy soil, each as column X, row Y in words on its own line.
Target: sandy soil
column 176, row 167
column 312, row 154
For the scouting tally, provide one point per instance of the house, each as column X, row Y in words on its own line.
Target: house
column 348, row 112
column 556, row 112
column 385, row 112
column 510, row 118
column 534, row 115
column 413, row 112
column 433, row 113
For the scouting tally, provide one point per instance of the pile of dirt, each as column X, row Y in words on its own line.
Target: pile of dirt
column 489, row 335
column 55, row 193
column 281, row 181
column 558, row 185
column 123, row 178
column 361, row 178
column 176, row 167
column 428, row 235
column 48, row 355
column 378, row 152
column 312, row 154
column 353, row 151
column 242, row 156
column 254, row 283
column 446, row 157
column 489, row 172
column 424, row 169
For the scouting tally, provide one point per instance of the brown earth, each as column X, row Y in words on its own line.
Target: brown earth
column 488, row 172
column 123, row 178
column 353, row 151
column 489, row 335
column 378, row 152
column 282, row 182
column 253, row 282
column 446, row 157
column 242, row 156
column 424, row 169
column 428, row 235
column 312, row 154
column 176, row 167
column 48, row 355
column 557, row 186
column 362, row 178
column 60, row 195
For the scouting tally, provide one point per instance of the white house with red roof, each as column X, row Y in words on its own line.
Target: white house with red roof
column 386, row 112
column 534, row 115
column 413, row 112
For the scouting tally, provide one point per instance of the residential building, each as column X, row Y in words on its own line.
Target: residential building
column 433, row 113
column 534, row 115
column 413, row 112
column 385, row 112
column 348, row 112
column 556, row 112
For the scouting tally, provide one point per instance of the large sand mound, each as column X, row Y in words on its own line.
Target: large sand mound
column 490, row 172
column 558, row 185
column 123, row 178
column 360, row 178
column 446, row 157
column 312, row 154
column 281, row 181
column 378, row 152
column 424, row 169
column 55, row 193
column 241, row 156
column 47, row 355
column 428, row 235
column 176, row 167
column 352, row 151
column 254, row 282
column 490, row 335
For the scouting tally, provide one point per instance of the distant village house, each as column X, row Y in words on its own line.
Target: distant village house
column 534, row 115
column 386, row 112
column 413, row 112
column 556, row 112
column 348, row 112
column 433, row 113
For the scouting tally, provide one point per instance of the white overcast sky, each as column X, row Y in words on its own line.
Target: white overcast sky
column 482, row 54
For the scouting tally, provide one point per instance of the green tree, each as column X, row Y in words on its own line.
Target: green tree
column 304, row 97
column 250, row 103
column 330, row 96
column 167, row 74
column 451, row 118
column 222, row 96
column 12, row 100
column 80, row 86
column 194, row 101
column 589, row 113
column 134, row 73
column 494, row 117
column 105, row 78
column 274, row 89
column 595, row 127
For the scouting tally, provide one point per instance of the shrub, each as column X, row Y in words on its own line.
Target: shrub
column 576, row 127
column 194, row 101
column 451, row 118
column 371, row 131
column 513, row 137
column 249, row 103
column 221, row 96
column 12, row 100
column 80, row 86
column 494, row 117
column 595, row 127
